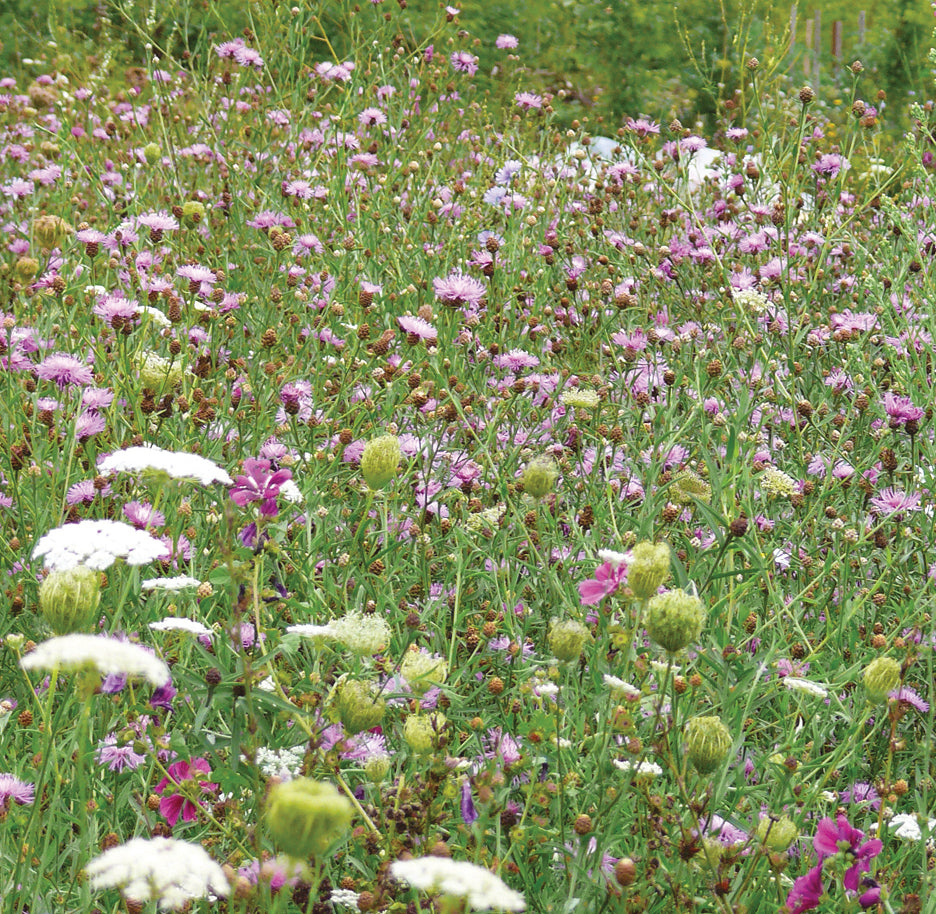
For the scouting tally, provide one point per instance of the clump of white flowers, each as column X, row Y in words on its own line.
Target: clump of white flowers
column 480, row 888
column 174, row 464
column 107, row 655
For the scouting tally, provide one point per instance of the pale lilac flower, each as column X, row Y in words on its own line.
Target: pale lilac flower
column 64, row 369
column 464, row 62
column 416, row 326
column 893, row 501
column 12, row 788
column 458, row 289
column 118, row 757
column 506, row 42
column 527, row 100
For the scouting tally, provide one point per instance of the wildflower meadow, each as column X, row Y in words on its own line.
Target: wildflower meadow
column 410, row 504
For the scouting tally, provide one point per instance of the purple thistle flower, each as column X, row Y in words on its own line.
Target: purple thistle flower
column 893, row 501
column 118, row 758
column 464, row 62
column 12, row 788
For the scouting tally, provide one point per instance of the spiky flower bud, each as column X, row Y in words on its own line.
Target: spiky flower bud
column 708, row 743
column 675, row 619
column 807, row 94
column 68, row 599
column 380, row 461
column 881, row 677
column 360, row 705
column 689, row 487
column 51, row 231
column 25, row 269
column 305, row 817
column 539, row 477
column 152, row 153
column 422, row 671
column 423, row 731
column 777, row 833
column 647, row 569
column 567, row 639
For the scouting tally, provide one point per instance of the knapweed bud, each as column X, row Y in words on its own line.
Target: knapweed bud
column 51, row 231
column 360, row 705
column 777, row 833
column 152, row 153
column 708, row 743
column 422, row 732
column 539, row 477
column 567, row 639
column 69, row 598
column 193, row 212
column 675, row 619
column 305, row 817
column 380, row 461
column 422, row 671
column 881, row 677
column 647, row 569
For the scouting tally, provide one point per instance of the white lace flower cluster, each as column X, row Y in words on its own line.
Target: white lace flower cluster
column 166, row 870
column 98, row 544
column 175, row 464
column 481, row 889
column 107, row 655
column 361, row 634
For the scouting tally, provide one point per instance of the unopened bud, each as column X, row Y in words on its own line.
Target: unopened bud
column 647, row 569
column 380, row 461
column 567, row 639
column 675, row 619
column 708, row 743
column 881, row 677
column 305, row 817
column 69, row 598
column 360, row 706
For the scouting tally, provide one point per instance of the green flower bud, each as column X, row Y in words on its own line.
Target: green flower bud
column 567, row 639
column 152, row 153
column 688, row 487
column 305, row 817
column 68, row 599
column 709, row 742
column 881, row 677
column 675, row 619
column 422, row 732
column 647, row 569
column 51, row 231
column 380, row 461
column 25, row 269
column 360, row 705
column 159, row 374
column 539, row 477
column 193, row 212
column 376, row 768
column 712, row 851
column 422, row 671
column 777, row 833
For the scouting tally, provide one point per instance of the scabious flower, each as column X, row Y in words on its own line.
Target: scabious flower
column 181, row 783
column 174, row 464
column 97, row 544
column 107, row 655
column 260, row 483
column 481, row 889
column 164, row 870
column 506, row 42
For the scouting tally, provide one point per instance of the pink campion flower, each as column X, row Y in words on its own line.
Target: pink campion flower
column 840, row 837
column 258, row 483
column 184, row 781
column 609, row 578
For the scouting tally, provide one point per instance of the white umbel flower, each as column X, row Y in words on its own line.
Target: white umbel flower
column 165, row 870
column 638, row 769
column 98, row 544
column 175, row 624
column 805, row 685
column 479, row 887
column 176, row 464
column 107, row 655
column 361, row 634
column 284, row 764
column 179, row 582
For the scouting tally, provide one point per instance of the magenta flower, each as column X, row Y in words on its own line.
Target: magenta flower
column 608, row 578
column 901, row 410
column 12, row 788
column 894, row 501
column 806, row 891
column 185, row 784
column 840, row 837
column 259, row 484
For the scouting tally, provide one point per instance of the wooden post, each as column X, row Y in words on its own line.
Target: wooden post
column 837, row 41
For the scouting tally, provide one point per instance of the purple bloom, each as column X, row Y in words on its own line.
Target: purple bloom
column 12, row 788
column 901, row 410
column 506, row 42
column 458, row 289
column 908, row 696
column 894, row 501
column 183, row 781
column 840, row 837
column 143, row 516
column 417, row 327
column 64, row 369
column 468, row 811
column 806, row 891
column 464, row 62
column 118, row 758
column 259, row 484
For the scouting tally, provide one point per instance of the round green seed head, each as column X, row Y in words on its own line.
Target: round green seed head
column 647, row 569
column 881, row 677
column 360, row 706
column 68, row 599
column 152, row 153
column 51, row 231
column 567, row 639
column 423, row 671
column 674, row 619
column 708, row 743
column 777, row 833
column 305, row 817
column 539, row 477
column 423, row 731
column 380, row 461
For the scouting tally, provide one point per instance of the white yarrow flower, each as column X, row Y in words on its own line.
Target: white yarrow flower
column 179, row 582
column 804, row 685
column 344, row 897
column 482, row 890
column 175, row 624
column 166, row 870
column 98, row 544
column 907, row 826
column 285, row 764
column 638, row 769
column 176, row 464
column 107, row 655
column 620, row 687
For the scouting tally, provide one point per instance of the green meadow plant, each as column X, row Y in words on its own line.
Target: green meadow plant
column 410, row 501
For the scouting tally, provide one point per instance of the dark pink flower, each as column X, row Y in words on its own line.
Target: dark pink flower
column 840, row 837
column 806, row 891
column 259, row 483
column 608, row 578
column 185, row 784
